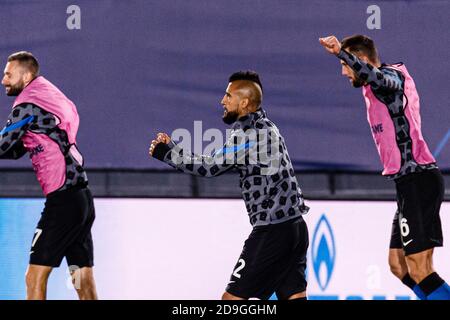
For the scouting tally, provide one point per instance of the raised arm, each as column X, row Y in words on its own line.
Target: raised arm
column 377, row 78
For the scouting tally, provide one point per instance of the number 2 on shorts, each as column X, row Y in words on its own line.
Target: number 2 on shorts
column 239, row 268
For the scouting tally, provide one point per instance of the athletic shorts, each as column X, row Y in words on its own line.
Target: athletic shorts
column 64, row 230
column 417, row 225
column 273, row 260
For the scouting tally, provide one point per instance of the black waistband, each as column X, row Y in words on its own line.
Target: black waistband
column 280, row 225
column 412, row 175
column 70, row 189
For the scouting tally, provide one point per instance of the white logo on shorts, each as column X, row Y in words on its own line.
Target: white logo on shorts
column 407, row 242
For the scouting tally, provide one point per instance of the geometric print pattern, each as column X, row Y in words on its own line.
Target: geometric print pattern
column 42, row 122
column 269, row 198
column 388, row 87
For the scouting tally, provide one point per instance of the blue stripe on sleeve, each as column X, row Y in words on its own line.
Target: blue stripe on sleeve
column 235, row 149
column 16, row 125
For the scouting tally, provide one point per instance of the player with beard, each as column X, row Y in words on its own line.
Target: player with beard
column 44, row 123
column 274, row 256
column 393, row 112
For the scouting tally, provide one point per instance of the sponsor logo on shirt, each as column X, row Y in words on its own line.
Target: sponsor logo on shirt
column 377, row 128
column 36, row 150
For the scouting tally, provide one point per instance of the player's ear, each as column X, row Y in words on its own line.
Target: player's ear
column 364, row 59
column 27, row 77
column 244, row 103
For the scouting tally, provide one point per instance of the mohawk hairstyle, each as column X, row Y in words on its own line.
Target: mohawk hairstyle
column 246, row 75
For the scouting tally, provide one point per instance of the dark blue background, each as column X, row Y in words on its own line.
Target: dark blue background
column 139, row 67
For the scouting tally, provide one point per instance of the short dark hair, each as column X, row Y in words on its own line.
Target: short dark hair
column 246, row 75
column 361, row 44
column 26, row 59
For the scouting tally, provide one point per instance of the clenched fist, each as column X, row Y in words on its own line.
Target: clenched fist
column 331, row 44
column 160, row 138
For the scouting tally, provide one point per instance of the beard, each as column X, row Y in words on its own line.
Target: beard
column 15, row 90
column 230, row 117
column 357, row 83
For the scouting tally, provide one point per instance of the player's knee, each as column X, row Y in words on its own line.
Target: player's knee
column 83, row 281
column 30, row 279
column 34, row 280
column 87, row 285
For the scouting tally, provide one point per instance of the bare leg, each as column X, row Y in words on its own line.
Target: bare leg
column 229, row 296
column 36, row 279
column 397, row 263
column 298, row 295
column 420, row 265
column 84, row 283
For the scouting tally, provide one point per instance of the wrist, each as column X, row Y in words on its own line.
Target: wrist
column 341, row 53
column 160, row 151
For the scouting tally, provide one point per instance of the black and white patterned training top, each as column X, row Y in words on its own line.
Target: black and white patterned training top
column 257, row 150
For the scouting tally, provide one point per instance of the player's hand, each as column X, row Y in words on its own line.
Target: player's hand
column 160, row 138
column 331, row 44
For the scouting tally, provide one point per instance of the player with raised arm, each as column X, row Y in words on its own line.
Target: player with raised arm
column 393, row 112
